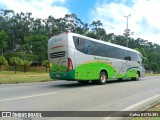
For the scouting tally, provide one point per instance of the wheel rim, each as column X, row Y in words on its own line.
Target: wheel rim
column 103, row 78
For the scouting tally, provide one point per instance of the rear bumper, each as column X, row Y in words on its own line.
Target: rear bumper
column 63, row 75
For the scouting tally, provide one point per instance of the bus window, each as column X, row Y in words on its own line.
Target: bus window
column 79, row 44
column 134, row 56
column 102, row 50
column 140, row 61
column 94, row 52
column 88, row 47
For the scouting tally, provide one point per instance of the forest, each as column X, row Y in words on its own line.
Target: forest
column 23, row 38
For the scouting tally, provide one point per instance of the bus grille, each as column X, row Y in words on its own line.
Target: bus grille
column 57, row 54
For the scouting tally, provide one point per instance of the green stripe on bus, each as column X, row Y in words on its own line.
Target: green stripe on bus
column 91, row 70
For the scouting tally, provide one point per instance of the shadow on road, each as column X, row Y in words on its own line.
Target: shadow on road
column 74, row 84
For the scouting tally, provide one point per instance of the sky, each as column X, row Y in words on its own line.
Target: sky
column 144, row 20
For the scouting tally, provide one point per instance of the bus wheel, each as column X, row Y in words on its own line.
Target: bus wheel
column 136, row 78
column 102, row 78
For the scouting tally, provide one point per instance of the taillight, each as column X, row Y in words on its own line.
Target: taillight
column 70, row 65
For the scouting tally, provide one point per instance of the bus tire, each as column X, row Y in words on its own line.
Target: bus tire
column 136, row 78
column 102, row 78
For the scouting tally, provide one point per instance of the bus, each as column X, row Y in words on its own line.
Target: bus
column 75, row 57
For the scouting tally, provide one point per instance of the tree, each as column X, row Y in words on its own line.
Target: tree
column 90, row 34
column 155, row 67
column 46, row 64
column 153, row 59
column 120, row 40
column 26, row 63
column 2, row 61
column 3, row 41
column 74, row 24
column 95, row 25
column 111, row 37
column 142, row 51
column 37, row 46
column 15, row 61
column 127, row 34
column 51, row 26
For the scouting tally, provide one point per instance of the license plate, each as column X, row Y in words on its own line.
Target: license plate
column 57, row 75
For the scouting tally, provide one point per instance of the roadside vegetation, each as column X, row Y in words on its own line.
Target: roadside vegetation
column 8, row 77
column 23, row 38
column 156, row 74
column 154, row 108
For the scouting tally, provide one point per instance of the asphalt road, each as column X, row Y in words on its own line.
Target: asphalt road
column 71, row 96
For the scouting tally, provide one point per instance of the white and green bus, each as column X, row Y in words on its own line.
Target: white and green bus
column 74, row 57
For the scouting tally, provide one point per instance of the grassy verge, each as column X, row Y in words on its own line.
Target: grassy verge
column 152, row 74
column 8, row 77
column 21, row 77
column 154, row 108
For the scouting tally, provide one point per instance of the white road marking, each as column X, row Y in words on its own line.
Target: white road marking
column 139, row 103
column 9, row 99
column 136, row 105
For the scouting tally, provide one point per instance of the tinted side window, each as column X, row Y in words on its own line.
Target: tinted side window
column 122, row 54
column 134, row 56
column 102, row 51
column 79, row 44
column 126, row 55
column 119, row 53
column 99, row 49
column 88, row 47
column 110, row 51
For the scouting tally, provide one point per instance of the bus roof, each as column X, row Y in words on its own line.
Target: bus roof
column 103, row 42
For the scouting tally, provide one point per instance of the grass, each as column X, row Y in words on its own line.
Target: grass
column 154, row 108
column 8, row 77
column 146, row 118
column 152, row 74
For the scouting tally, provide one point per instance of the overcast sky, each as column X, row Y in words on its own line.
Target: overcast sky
column 144, row 20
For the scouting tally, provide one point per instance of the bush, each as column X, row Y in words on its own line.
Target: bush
column 21, row 68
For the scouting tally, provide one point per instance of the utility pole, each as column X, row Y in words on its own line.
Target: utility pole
column 127, row 30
